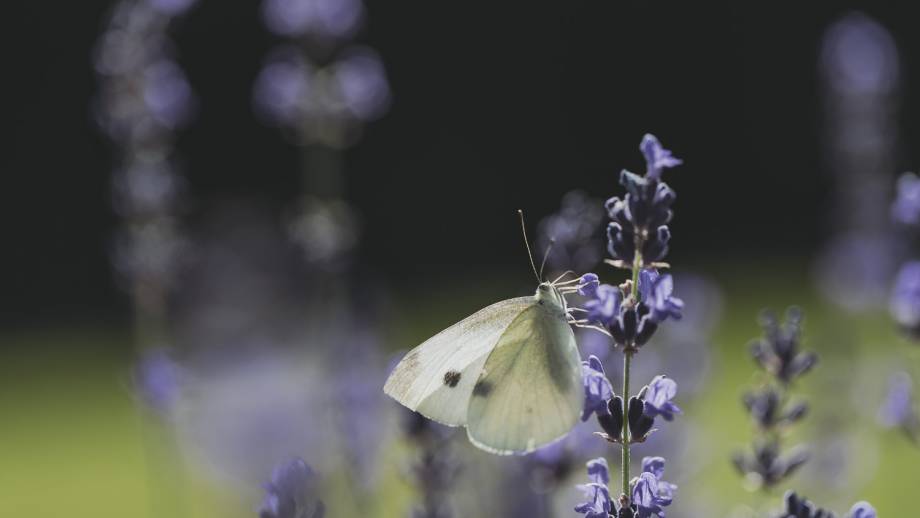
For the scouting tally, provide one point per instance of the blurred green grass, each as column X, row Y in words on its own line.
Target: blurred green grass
column 73, row 441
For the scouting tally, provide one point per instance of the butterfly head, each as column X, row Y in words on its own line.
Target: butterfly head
column 548, row 293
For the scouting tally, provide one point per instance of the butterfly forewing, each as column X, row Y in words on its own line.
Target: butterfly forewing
column 530, row 390
column 437, row 378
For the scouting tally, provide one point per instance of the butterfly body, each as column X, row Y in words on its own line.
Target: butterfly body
column 510, row 373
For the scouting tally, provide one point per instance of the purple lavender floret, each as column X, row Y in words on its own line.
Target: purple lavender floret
column 650, row 493
column 599, row 504
column 588, row 284
column 598, row 389
column 657, row 158
column 862, row 510
column 658, row 398
column 598, row 471
column 905, row 298
column 604, row 308
column 657, row 293
column 328, row 20
column 898, row 410
column 291, row 493
column 906, row 206
column 156, row 377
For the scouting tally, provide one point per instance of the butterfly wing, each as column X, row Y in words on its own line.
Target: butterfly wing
column 436, row 378
column 530, row 391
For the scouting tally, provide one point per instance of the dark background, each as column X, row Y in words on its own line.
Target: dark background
column 497, row 106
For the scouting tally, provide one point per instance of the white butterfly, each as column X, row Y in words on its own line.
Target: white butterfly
column 510, row 373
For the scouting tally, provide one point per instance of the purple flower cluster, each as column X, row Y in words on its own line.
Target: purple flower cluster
column 798, row 507
column 650, row 494
column 631, row 323
column 639, row 220
column 771, row 410
column 653, row 400
column 292, row 492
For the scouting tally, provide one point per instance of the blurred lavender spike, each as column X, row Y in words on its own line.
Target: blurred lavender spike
column 324, row 88
column 292, row 492
column 859, row 65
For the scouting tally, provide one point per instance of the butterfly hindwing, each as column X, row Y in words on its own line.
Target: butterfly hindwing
column 530, row 390
column 437, row 378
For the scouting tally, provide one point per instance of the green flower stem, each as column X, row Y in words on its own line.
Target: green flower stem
column 627, row 361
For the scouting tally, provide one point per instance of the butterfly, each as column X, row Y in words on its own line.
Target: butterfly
column 510, row 373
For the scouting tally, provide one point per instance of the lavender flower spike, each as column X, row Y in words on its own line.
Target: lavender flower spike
column 658, row 398
column 291, row 493
column 657, row 157
column 657, row 291
column 597, row 388
column 862, row 510
column 906, row 207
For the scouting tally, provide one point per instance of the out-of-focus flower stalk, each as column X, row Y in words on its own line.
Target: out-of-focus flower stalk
column 860, row 71
column 143, row 98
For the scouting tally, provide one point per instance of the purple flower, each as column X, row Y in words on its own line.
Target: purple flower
column 605, row 306
column 291, row 493
column 362, row 84
column 905, row 299
column 656, row 291
column 898, row 407
column 656, row 157
column 599, row 504
column 862, row 510
column 906, row 207
column 588, row 284
column 321, row 19
column 658, row 398
column 157, row 379
column 572, row 234
column 167, row 94
column 598, row 471
column 283, row 88
column 650, row 493
column 597, row 388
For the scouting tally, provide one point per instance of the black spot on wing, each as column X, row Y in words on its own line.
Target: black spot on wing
column 451, row 378
column 482, row 388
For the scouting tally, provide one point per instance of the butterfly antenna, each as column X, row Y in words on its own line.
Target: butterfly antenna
column 527, row 244
column 549, row 249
